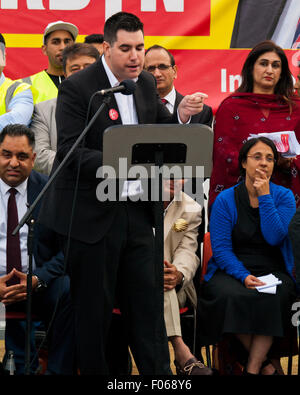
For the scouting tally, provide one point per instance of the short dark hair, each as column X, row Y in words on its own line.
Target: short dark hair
column 2, row 39
column 172, row 59
column 78, row 49
column 248, row 145
column 121, row 21
column 284, row 86
column 94, row 38
column 17, row 130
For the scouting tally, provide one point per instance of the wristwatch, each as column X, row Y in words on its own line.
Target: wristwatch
column 40, row 284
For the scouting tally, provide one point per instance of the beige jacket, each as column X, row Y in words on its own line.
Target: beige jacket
column 180, row 246
column 44, row 127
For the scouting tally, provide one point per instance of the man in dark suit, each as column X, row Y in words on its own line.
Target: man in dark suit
column 161, row 63
column 19, row 184
column 110, row 240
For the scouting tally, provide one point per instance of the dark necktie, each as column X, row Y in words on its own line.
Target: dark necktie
column 165, row 101
column 13, row 250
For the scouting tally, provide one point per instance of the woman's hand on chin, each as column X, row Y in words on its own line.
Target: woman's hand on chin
column 261, row 183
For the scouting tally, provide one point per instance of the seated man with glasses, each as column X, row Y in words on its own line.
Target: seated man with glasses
column 161, row 63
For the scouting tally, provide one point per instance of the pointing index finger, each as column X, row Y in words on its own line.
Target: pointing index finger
column 204, row 95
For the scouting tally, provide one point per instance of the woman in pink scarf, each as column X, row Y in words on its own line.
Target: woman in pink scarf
column 264, row 103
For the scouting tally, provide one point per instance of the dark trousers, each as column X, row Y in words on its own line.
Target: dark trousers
column 61, row 336
column 120, row 268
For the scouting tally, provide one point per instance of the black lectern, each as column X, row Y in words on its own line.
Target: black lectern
column 150, row 151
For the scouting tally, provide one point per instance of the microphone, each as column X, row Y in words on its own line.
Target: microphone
column 126, row 87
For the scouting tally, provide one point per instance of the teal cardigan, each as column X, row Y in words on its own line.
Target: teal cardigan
column 276, row 211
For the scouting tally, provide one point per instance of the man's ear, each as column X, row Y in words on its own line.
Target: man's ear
column 106, row 47
column 44, row 49
column 33, row 157
column 175, row 71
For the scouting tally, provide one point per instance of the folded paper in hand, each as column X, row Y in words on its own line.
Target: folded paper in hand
column 285, row 141
column 271, row 282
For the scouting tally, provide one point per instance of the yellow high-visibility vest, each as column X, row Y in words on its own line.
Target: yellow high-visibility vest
column 44, row 87
column 8, row 90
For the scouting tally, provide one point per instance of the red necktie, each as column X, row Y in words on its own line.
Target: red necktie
column 13, row 250
column 165, row 101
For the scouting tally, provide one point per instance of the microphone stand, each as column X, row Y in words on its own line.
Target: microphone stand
column 30, row 236
column 27, row 218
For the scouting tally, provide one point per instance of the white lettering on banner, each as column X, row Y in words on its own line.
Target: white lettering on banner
column 170, row 5
column 234, row 81
column 68, row 4
column 113, row 6
column 223, row 80
column 35, row 5
column 53, row 4
column 9, row 4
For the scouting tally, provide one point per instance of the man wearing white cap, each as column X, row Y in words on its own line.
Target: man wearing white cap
column 56, row 37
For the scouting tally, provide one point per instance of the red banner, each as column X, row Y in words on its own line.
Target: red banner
column 192, row 19
column 199, row 34
column 160, row 17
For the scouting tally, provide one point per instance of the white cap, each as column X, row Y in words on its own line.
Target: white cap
column 61, row 25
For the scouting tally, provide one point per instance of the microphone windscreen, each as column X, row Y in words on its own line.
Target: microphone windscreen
column 129, row 87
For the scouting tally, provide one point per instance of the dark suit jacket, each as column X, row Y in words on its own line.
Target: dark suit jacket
column 204, row 117
column 255, row 21
column 92, row 218
column 48, row 258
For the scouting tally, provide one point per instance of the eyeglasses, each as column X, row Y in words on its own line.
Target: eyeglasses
column 160, row 67
column 258, row 158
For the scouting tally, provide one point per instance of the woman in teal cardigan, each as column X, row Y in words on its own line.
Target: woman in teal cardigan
column 249, row 236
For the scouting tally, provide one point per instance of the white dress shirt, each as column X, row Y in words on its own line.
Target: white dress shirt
column 125, row 102
column 128, row 116
column 171, row 97
column 21, row 200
